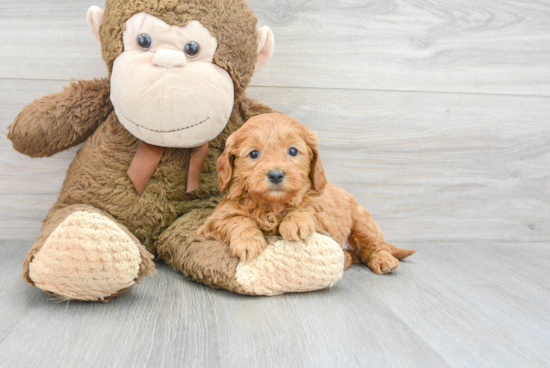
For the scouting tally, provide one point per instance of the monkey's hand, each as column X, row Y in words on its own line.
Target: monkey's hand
column 297, row 225
column 61, row 120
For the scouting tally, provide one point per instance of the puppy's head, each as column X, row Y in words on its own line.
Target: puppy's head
column 272, row 157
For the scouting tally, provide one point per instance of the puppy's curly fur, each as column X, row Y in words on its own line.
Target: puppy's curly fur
column 295, row 202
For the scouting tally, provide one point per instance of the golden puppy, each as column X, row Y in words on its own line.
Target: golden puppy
column 275, row 184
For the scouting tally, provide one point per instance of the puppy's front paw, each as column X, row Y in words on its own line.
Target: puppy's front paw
column 297, row 227
column 246, row 248
column 382, row 262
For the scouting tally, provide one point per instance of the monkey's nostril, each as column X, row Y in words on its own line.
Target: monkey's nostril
column 276, row 176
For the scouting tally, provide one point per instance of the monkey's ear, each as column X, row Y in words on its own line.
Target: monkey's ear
column 95, row 20
column 266, row 44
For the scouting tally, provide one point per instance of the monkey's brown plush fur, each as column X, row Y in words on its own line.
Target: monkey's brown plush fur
column 295, row 207
column 164, row 218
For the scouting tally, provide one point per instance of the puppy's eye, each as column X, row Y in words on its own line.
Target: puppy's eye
column 192, row 49
column 254, row 154
column 293, row 151
column 144, row 41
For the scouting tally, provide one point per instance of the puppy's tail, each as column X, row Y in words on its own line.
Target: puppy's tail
column 400, row 253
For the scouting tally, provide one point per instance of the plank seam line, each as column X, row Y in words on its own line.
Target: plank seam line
column 324, row 88
column 402, row 91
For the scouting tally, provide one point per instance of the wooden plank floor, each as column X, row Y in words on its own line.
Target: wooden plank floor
column 435, row 114
column 451, row 305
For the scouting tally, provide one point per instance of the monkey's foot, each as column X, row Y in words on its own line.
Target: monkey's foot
column 89, row 257
column 288, row 266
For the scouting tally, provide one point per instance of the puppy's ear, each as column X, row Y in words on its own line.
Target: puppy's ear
column 318, row 178
column 225, row 163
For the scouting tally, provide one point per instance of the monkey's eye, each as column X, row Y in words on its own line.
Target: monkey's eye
column 254, row 154
column 293, row 151
column 192, row 49
column 144, row 41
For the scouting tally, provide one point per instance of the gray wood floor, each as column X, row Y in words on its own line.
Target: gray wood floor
column 435, row 114
column 451, row 305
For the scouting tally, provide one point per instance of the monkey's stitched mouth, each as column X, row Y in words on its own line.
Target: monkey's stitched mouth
column 163, row 131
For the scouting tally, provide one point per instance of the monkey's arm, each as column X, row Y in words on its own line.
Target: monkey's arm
column 61, row 120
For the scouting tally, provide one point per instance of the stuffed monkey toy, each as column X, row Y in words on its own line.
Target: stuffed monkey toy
column 145, row 177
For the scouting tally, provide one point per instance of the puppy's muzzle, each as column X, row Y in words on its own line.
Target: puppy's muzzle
column 275, row 176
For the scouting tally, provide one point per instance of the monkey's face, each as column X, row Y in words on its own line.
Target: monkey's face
column 178, row 66
column 164, row 86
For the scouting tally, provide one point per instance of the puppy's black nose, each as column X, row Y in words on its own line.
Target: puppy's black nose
column 276, row 176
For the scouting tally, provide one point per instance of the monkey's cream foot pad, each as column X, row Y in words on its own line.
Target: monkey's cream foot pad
column 314, row 264
column 88, row 257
